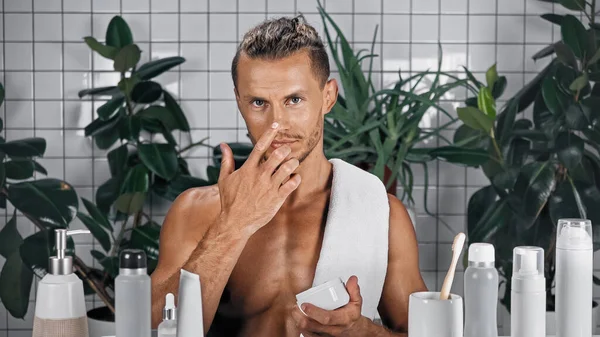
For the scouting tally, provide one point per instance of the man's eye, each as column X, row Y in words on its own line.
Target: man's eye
column 296, row 100
column 258, row 102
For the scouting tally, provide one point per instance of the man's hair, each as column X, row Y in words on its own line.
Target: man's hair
column 279, row 38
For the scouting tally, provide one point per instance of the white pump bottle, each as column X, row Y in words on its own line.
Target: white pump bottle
column 60, row 307
column 528, row 293
column 574, row 270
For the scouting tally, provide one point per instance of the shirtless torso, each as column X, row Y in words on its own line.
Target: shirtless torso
column 278, row 262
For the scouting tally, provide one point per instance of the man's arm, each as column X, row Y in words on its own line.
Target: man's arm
column 403, row 275
column 213, row 258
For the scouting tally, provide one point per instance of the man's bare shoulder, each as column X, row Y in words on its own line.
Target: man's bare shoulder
column 399, row 216
column 192, row 212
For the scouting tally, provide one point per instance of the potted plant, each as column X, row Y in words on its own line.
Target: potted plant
column 379, row 130
column 47, row 203
column 135, row 125
column 543, row 168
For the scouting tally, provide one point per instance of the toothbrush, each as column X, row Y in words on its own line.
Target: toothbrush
column 457, row 246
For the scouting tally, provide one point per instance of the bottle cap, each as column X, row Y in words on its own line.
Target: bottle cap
column 528, row 262
column 481, row 252
column 132, row 259
column 169, row 311
column 574, row 234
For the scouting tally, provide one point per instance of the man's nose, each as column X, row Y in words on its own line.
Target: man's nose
column 280, row 116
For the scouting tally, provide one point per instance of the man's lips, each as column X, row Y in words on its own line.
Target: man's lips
column 276, row 145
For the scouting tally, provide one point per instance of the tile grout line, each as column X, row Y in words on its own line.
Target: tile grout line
column 4, row 120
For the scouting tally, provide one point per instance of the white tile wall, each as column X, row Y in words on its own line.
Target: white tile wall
column 45, row 63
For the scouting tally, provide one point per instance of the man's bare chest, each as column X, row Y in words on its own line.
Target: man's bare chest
column 278, row 262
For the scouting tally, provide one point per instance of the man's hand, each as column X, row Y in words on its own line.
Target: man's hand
column 252, row 195
column 346, row 321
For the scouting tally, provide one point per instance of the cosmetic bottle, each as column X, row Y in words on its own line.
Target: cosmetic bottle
column 574, row 270
column 528, row 293
column 132, row 295
column 481, row 292
column 190, row 318
column 60, row 307
column 168, row 327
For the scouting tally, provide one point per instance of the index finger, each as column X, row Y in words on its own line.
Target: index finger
column 262, row 145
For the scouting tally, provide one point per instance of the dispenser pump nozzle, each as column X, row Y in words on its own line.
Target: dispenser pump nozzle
column 62, row 264
column 169, row 312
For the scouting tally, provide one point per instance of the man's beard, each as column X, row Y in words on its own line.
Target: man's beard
column 312, row 142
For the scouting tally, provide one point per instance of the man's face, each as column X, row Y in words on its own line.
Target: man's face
column 285, row 91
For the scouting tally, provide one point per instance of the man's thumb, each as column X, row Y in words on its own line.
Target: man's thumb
column 227, row 162
column 353, row 289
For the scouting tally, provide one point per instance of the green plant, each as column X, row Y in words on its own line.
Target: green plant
column 47, row 203
column 544, row 168
column 136, row 124
column 379, row 129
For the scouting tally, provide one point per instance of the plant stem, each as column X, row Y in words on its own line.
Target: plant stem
column 136, row 219
column 80, row 267
column 593, row 18
column 201, row 142
column 497, row 148
column 117, row 243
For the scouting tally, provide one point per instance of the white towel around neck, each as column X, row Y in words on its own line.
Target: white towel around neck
column 355, row 241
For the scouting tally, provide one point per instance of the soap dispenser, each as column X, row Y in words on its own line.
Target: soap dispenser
column 60, row 304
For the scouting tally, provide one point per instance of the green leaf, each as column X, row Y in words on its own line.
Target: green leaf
column 469, row 138
column 160, row 113
column 26, row 147
column 37, row 249
column 51, row 202
column 495, row 218
column 181, row 122
column 499, row 87
column 533, row 187
column 103, row 91
column 1, row 100
column 475, row 119
column 15, row 285
column 97, row 231
column 472, row 78
column 569, row 148
column 126, row 84
column 528, row 94
column 579, row 83
column 136, row 180
column 110, row 264
column 130, row 203
column 595, row 58
column 160, row 159
column 106, row 139
column 10, row 239
column 96, row 214
column 146, row 238
column 464, row 156
column 19, row 169
column 107, row 194
column 486, row 103
column 213, row 174
column 574, row 34
column 506, row 120
column 127, row 58
column 575, row 117
column 154, row 68
column 506, row 180
column 576, row 5
column 554, row 18
column 544, row 52
column 563, row 203
column 118, row 34
column 129, row 128
column 478, row 203
column 171, row 190
column 565, row 55
column 39, row 168
column 491, row 75
column 117, row 160
column 100, row 126
column 109, row 109
column 551, row 93
column 108, row 52
column 146, row 92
